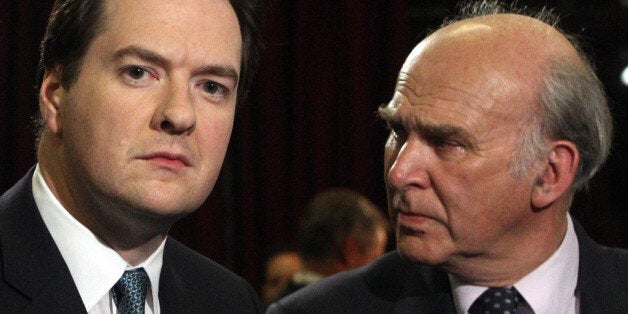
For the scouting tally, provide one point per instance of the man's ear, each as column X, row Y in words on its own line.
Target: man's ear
column 558, row 174
column 51, row 95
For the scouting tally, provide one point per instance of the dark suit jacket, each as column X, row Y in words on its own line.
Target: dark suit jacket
column 291, row 288
column 35, row 279
column 394, row 285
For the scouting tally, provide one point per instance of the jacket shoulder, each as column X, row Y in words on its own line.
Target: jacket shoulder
column 33, row 275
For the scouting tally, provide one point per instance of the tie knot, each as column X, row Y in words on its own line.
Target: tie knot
column 497, row 300
column 129, row 293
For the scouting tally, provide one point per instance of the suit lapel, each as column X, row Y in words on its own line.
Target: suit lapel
column 172, row 287
column 437, row 298
column 425, row 289
column 594, row 275
column 585, row 280
column 32, row 262
column 433, row 293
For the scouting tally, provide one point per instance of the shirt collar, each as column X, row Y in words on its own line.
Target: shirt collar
column 152, row 266
column 95, row 267
column 550, row 288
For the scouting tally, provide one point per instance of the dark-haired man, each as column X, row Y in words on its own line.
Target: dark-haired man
column 496, row 120
column 137, row 101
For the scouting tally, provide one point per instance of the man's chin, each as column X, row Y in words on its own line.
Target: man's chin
column 165, row 212
column 162, row 210
column 167, row 202
column 417, row 251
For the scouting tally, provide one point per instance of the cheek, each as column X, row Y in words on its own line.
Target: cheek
column 214, row 133
column 479, row 177
column 472, row 193
column 83, row 134
column 105, row 117
column 484, row 201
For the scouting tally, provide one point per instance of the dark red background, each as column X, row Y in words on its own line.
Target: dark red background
column 310, row 122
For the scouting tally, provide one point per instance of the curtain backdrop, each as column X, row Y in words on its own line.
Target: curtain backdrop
column 309, row 123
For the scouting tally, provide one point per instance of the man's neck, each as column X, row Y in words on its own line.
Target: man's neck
column 511, row 262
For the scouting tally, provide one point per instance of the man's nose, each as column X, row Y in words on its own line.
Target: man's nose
column 176, row 113
column 410, row 166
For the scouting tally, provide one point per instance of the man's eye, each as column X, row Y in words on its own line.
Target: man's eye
column 448, row 148
column 214, row 88
column 397, row 130
column 440, row 142
column 137, row 76
column 135, row 72
column 397, row 133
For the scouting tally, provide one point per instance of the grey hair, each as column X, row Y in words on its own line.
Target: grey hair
column 471, row 9
column 574, row 108
column 572, row 103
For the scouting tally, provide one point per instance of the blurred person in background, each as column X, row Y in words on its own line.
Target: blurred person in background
column 341, row 230
column 280, row 267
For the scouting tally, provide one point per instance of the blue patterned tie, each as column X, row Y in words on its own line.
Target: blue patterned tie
column 129, row 293
column 497, row 301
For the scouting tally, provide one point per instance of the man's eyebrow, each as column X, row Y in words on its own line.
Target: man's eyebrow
column 227, row 71
column 386, row 112
column 443, row 131
column 141, row 53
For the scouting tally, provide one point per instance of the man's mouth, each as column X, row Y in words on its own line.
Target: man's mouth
column 167, row 159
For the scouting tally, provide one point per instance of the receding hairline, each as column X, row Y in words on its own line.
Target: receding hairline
column 545, row 39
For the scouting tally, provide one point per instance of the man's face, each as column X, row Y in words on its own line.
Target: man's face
column 279, row 271
column 456, row 119
column 147, row 123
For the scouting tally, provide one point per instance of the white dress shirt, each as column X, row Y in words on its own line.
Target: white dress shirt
column 550, row 288
column 94, row 266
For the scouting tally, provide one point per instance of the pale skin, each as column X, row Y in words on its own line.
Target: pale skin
column 464, row 96
column 138, row 140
